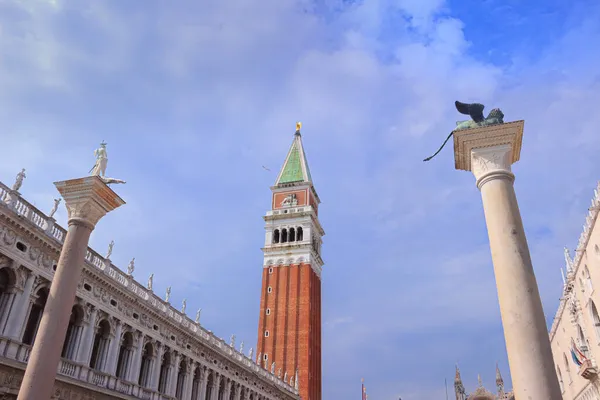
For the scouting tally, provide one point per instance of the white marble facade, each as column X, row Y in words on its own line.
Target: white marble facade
column 576, row 325
column 123, row 341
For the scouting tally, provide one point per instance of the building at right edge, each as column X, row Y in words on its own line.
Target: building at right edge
column 289, row 328
column 575, row 332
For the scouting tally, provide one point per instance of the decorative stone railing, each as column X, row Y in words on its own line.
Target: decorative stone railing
column 46, row 225
column 290, row 210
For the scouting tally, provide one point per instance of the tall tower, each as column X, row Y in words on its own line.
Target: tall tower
column 289, row 327
column 459, row 388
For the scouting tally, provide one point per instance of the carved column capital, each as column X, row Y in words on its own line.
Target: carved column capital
column 488, row 162
column 88, row 199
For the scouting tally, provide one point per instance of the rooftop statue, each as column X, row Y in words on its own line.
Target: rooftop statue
column 475, row 111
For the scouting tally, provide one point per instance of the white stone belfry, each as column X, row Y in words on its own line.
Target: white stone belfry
column 489, row 152
column 87, row 200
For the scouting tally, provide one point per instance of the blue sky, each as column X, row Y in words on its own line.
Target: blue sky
column 193, row 97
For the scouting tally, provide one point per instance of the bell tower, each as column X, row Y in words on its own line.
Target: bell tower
column 289, row 327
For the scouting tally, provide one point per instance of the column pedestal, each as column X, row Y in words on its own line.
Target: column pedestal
column 489, row 152
column 87, row 200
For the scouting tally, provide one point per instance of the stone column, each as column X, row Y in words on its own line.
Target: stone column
column 87, row 200
column 489, row 153
column 238, row 391
column 136, row 363
column 203, row 382
column 113, row 350
column 228, row 385
column 189, row 381
column 214, row 394
column 174, row 373
column 156, row 362
column 85, row 349
column 18, row 313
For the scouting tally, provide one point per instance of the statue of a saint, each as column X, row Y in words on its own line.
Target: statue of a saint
column 279, row 373
column 273, row 368
column 198, row 315
column 55, row 208
column 242, row 347
column 131, row 267
column 99, row 169
column 110, row 247
column 258, row 358
column 296, row 381
column 19, row 180
column 250, row 353
column 168, row 296
column 232, row 341
column 149, row 286
column 285, row 377
column 183, row 304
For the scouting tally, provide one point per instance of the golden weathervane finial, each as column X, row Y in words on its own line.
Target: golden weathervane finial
column 298, row 126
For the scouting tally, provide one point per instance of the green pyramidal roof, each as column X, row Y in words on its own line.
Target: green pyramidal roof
column 295, row 167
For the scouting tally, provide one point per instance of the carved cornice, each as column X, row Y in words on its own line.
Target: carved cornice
column 510, row 133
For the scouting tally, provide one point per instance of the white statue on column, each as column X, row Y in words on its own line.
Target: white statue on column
column 198, row 315
column 131, row 267
column 183, row 305
column 110, row 249
column 150, row 279
column 55, row 208
column 168, row 296
column 19, row 180
column 99, row 169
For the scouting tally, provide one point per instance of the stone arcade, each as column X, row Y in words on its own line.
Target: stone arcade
column 123, row 341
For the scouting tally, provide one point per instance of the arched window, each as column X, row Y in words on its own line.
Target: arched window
column 165, row 369
column 299, row 234
column 209, row 385
column 196, row 383
column 101, row 346
column 284, row 235
column 35, row 315
column 126, row 351
column 7, row 289
column 560, row 379
column 146, row 365
column 73, row 335
column 292, row 235
column 181, row 379
column 588, row 278
column 566, row 361
column 595, row 319
column 276, row 236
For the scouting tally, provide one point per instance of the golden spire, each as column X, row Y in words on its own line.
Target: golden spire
column 298, row 126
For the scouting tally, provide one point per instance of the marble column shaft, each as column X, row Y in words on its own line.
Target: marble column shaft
column 113, row 350
column 45, row 355
column 87, row 200
column 525, row 331
column 85, row 349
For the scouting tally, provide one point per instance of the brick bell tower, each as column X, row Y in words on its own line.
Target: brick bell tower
column 289, row 327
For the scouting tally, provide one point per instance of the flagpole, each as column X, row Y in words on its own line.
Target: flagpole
column 446, row 384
